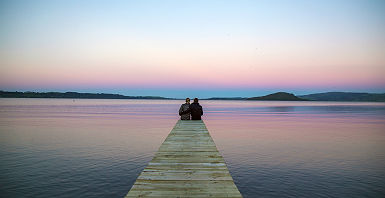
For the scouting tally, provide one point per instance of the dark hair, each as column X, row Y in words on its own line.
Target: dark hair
column 187, row 99
column 195, row 100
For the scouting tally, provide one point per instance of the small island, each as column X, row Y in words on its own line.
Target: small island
column 279, row 96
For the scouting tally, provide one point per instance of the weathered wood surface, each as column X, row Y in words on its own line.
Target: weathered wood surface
column 187, row 164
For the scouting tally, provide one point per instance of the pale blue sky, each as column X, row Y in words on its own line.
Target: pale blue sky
column 205, row 48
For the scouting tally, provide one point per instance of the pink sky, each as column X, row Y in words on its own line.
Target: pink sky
column 235, row 45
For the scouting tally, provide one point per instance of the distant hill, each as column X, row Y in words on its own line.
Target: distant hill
column 16, row 94
column 281, row 96
column 346, row 96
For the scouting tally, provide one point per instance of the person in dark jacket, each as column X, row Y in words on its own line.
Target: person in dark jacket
column 196, row 110
column 184, row 110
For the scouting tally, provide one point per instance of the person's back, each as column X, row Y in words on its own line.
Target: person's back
column 184, row 110
column 196, row 110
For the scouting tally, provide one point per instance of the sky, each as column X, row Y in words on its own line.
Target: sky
column 193, row 48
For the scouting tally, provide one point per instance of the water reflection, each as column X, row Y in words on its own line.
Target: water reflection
column 281, row 109
column 97, row 148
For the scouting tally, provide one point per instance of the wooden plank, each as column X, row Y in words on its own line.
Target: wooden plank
column 187, row 164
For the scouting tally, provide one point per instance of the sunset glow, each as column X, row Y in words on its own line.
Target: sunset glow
column 205, row 48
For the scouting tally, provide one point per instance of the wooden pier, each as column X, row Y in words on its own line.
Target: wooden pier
column 187, row 164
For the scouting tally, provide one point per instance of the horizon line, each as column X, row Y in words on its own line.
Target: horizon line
column 176, row 98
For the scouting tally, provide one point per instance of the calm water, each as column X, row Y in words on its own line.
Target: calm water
column 97, row 148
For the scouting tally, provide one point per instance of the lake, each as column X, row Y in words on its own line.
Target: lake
column 97, row 148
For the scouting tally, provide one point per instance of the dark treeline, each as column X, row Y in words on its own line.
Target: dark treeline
column 28, row 94
column 279, row 96
column 346, row 96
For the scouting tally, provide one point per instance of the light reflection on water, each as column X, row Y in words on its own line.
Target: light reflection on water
column 97, row 148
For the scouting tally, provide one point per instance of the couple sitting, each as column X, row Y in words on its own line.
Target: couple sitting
column 194, row 109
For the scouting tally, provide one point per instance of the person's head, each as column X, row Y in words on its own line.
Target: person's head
column 188, row 100
column 195, row 100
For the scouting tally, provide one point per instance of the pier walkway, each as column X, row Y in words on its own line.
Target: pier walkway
column 187, row 164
